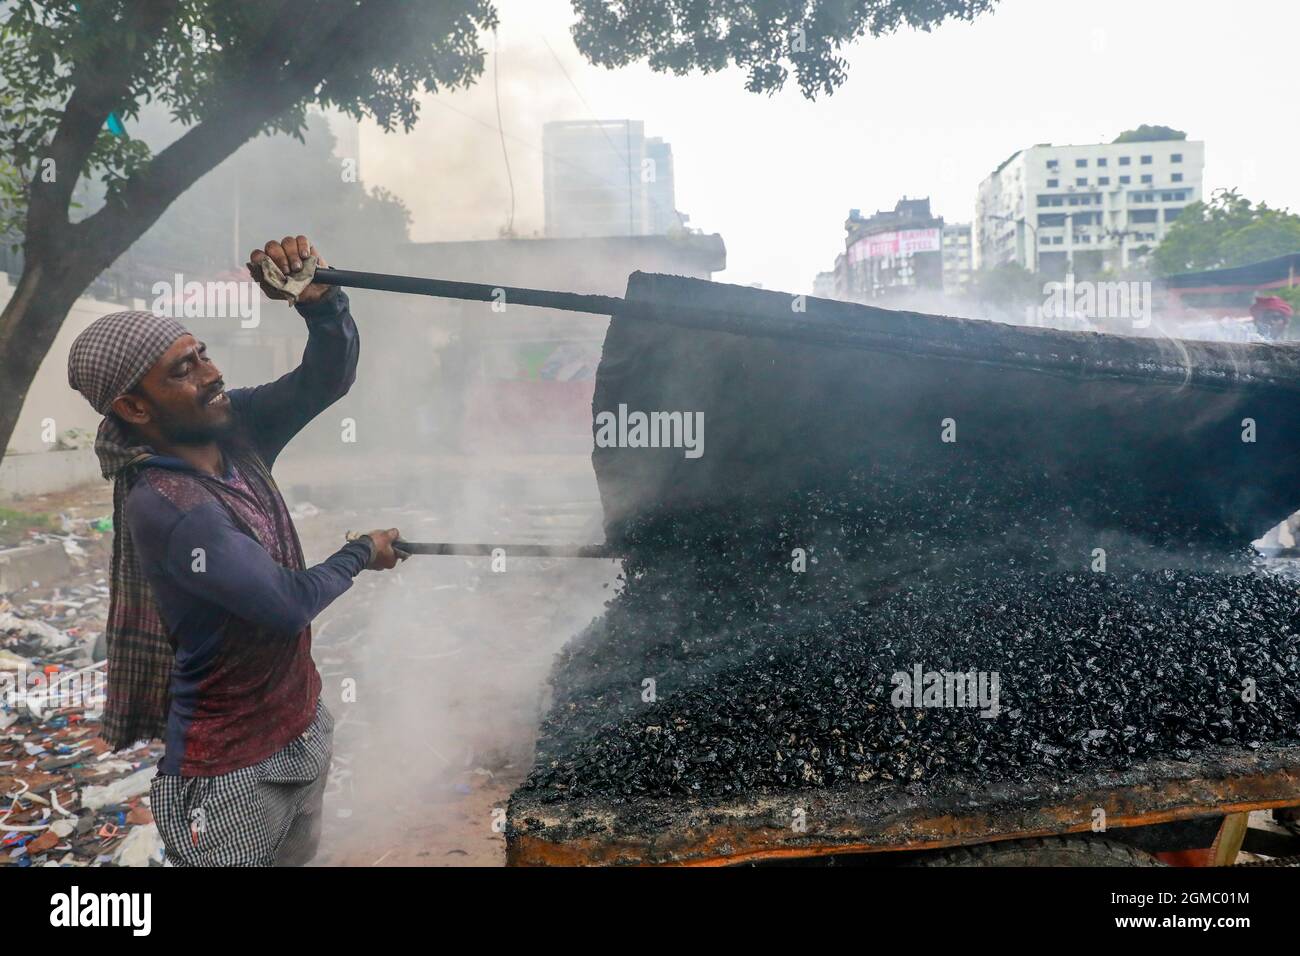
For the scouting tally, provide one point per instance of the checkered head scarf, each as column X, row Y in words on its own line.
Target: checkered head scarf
column 107, row 359
column 115, row 351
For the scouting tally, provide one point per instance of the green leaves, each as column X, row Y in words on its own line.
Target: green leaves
column 198, row 57
column 365, row 57
column 1226, row 231
column 768, row 39
column 1149, row 134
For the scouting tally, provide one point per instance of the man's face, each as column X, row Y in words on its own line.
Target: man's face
column 183, row 396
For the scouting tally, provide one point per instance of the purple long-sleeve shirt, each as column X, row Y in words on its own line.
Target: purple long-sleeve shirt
column 221, row 557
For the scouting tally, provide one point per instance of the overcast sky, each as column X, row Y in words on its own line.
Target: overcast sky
column 921, row 114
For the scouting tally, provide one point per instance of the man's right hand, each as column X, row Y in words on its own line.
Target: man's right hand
column 386, row 556
column 288, row 255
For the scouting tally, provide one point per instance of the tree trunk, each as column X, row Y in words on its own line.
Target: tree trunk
column 28, row 326
column 62, row 259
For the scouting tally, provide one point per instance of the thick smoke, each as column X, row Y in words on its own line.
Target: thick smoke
column 435, row 673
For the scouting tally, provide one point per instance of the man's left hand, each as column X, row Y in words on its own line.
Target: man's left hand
column 288, row 255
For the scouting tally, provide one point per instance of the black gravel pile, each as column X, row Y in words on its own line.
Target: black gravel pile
column 769, row 679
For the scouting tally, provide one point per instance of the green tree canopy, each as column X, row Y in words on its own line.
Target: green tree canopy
column 212, row 63
column 766, row 38
column 1226, row 231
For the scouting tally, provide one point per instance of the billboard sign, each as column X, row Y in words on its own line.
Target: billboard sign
column 889, row 245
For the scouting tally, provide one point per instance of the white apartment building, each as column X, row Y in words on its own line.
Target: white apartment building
column 1054, row 209
column 957, row 256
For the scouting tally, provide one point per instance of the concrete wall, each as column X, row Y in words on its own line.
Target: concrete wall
column 30, row 463
column 50, row 396
column 39, row 472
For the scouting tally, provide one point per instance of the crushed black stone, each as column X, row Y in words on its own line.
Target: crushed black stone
column 767, row 679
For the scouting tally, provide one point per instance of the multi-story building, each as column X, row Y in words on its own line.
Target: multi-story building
column 891, row 252
column 834, row 283
column 1058, row 209
column 824, row 285
column 957, row 257
column 605, row 178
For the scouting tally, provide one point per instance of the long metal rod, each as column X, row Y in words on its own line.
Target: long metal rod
column 686, row 315
column 482, row 292
column 474, row 291
column 699, row 317
column 510, row 550
column 690, row 316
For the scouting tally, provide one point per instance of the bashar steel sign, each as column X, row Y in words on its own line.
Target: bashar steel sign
column 889, row 245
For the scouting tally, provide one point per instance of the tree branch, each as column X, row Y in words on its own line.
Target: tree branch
column 99, row 86
column 248, row 103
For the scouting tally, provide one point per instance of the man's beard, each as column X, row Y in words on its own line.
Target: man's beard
column 179, row 431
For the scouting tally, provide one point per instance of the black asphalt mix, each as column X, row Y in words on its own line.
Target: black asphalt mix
column 718, row 669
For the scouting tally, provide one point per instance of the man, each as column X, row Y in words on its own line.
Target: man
column 209, row 629
column 1272, row 317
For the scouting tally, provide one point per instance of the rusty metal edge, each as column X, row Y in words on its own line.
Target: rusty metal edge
column 752, row 837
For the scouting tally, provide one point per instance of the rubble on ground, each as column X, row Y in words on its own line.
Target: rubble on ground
column 66, row 798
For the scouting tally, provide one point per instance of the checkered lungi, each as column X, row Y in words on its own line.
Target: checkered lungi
column 268, row 814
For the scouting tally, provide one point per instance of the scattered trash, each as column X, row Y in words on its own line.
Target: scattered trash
column 46, row 841
column 120, row 791
column 143, row 846
column 76, row 552
column 42, row 635
column 71, row 438
column 66, row 798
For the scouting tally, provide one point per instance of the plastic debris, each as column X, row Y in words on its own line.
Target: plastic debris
column 51, row 756
column 36, row 632
column 120, row 791
column 143, row 846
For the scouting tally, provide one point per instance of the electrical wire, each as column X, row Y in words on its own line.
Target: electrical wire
column 496, row 93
